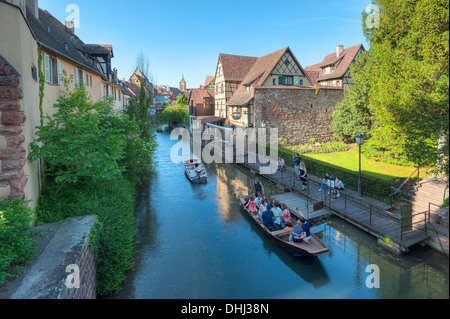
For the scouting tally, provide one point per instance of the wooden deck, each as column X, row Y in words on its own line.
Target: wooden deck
column 365, row 213
column 294, row 201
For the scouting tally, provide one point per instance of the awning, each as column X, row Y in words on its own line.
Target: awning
column 213, row 120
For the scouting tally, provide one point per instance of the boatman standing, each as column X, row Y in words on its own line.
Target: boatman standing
column 258, row 187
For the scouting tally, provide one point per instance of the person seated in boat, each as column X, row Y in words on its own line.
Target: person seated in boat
column 193, row 173
column 258, row 201
column 258, row 187
column 198, row 169
column 286, row 215
column 302, row 232
column 264, row 206
column 306, row 229
column 251, row 205
column 267, row 219
column 278, row 217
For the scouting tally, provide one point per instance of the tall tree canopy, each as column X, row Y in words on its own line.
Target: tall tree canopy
column 407, row 75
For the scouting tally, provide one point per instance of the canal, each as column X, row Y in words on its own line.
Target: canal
column 194, row 242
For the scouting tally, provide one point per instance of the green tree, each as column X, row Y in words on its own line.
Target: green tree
column 75, row 145
column 409, row 83
column 354, row 114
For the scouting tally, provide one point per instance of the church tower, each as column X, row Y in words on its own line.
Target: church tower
column 183, row 85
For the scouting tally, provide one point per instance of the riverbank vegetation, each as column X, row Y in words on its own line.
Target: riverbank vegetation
column 175, row 114
column 95, row 157
column 399, row 98
column 17, row 238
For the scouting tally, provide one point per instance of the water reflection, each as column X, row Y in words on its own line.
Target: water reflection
column 194, row 242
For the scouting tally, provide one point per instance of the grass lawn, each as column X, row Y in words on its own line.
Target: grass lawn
column 350, row 161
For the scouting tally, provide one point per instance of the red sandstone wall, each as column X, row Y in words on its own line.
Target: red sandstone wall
column 12, row 152
column 299, row 114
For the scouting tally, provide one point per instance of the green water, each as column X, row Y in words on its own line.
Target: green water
column 194, row 242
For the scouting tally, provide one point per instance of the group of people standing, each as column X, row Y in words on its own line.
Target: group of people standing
column 300, row 169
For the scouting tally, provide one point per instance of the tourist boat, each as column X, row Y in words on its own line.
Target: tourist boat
column 191, row 161
column 314, row 247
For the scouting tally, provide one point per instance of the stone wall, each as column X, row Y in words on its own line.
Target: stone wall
column 63, row 251
column 300, row 114
column 12, row 119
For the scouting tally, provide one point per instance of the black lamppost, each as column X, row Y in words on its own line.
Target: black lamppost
column 359, row 141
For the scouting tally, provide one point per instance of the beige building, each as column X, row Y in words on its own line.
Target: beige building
column 27, row 33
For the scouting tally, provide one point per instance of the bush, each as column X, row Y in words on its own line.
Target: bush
column 113, row 203
column 17, row 239
column 312, row 148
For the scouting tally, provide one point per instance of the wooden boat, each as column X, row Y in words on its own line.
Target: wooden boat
column 314, row 247
column 192, row 161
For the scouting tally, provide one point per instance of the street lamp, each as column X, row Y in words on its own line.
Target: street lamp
column 359, row 141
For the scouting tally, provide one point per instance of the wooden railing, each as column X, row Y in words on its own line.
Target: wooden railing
column 406, row 186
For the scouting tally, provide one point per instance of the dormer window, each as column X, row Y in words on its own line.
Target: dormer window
column 247, row 88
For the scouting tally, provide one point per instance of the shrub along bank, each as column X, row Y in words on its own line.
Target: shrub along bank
column 17, row 239
column 95, row 158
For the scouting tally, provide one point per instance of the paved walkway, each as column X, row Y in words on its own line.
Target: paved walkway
column 366, row 213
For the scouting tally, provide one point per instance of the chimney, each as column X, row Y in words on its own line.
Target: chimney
column 32, row 8
column 70, row 25
column 339, row 50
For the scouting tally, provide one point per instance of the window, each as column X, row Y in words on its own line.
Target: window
column 274, row 81
column 77, row 78
column 247, row 89
column 84, row 79
column 34, row 72
column 301, row 82
column 289, row 80
column 90, row 80
column 287, row 63
column 59, row 71
column 48, row 69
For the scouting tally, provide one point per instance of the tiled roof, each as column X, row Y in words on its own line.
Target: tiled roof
column 99, row 49
column 212, row 120
column 176, row 91
column 343, row 63
column 262, row 67
column 236, row 67
column 209, row 79
column 56, row 37
column 6, row 68
column 199, row 94
column 133, row 88
column 258, row 74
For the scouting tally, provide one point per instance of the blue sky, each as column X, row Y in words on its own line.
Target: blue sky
column 186, row 37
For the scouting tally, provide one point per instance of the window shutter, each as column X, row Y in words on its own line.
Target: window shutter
column 58, row 67
column 296, row 81
column 281, row 80
column 77, row 78
column 47, row 68
column 84, row 79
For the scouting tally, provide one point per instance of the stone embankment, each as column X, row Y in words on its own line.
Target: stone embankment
column 64, row 267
